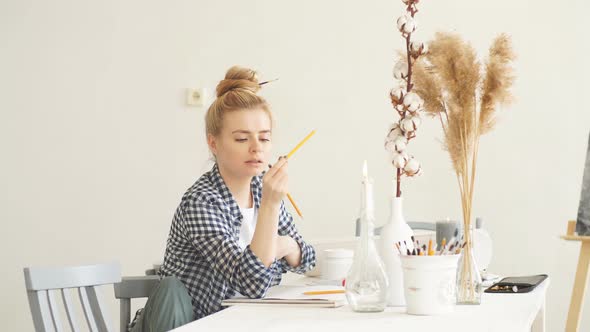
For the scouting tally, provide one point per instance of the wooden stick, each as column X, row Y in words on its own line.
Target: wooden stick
column 571, row 227
column 581, row 281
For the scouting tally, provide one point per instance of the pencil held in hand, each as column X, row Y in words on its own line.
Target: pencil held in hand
column 288, row 156
column 301, row 143
column 292, row 201
column 294, row 205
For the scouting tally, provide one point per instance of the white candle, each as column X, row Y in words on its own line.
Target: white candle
column 367, row 197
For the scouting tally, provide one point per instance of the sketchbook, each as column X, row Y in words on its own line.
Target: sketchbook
column 293, row 296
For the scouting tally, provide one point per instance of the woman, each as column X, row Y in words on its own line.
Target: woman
column 231, row 233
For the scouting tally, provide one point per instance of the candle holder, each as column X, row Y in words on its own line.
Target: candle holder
column 366, row 283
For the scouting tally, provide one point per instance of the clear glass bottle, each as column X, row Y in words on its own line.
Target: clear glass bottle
column 366, row 282
column 469, row 282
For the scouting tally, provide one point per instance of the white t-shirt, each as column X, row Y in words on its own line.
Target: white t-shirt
column 248, row 226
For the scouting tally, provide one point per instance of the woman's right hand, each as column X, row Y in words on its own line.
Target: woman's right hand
column 275, row 183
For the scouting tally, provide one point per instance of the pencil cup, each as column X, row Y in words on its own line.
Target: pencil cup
column 429, row 283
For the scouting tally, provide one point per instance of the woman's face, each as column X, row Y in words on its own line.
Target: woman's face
column 243, row 146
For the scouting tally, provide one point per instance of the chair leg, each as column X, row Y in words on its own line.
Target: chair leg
column 125, row 312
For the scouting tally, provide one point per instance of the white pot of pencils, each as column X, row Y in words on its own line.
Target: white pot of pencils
column 430, row 283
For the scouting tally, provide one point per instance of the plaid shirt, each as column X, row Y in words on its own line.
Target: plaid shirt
column 203, row 251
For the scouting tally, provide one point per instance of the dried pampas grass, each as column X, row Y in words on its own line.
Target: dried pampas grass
column 465, row 98
column 497, row 82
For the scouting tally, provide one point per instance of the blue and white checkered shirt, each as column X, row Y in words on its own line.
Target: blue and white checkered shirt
column 204, row 253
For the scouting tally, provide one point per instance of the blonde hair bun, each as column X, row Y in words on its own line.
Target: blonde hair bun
column 240, row 79
column 237, row 91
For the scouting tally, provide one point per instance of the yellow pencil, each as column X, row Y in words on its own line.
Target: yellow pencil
column 292, row 201
column 294, row 205
column 430, row 250
column 300, row 144
column 288, row 156
column 334, row 291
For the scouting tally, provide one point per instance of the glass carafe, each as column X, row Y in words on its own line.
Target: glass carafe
column 366, row 283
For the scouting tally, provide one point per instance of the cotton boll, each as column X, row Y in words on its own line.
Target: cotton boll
column 412, row 167
column 389, row 145
column 410, row 26
column 400, row 71
column 400, row 144
column 397, row 145
column 401, row 21
column 394, row 133
column 406, row 24
column 418, row 48
column 407, row 125
column 399, row 160
column 413, row 102
column 415, row 46
column 397, row 94
column 412, row 99
column 413, row 107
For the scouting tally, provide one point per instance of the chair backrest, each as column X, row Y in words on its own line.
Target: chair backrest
column 131, row 288
column 425, row 225
column 44, row 283
column 413, row 225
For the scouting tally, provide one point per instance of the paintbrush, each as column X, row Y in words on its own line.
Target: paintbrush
column 444, row 250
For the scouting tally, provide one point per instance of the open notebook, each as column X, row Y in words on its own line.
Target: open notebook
column 293, row 296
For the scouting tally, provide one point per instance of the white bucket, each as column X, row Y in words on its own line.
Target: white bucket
column 430, row 283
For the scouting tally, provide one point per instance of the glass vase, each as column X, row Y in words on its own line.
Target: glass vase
column 469, row 282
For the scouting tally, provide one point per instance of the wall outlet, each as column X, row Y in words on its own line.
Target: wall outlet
column 196, row 97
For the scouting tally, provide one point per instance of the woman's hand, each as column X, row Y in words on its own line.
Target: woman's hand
column 266, row 243
column 275, row 183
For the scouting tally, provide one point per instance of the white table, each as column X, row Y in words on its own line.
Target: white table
column 498, row 312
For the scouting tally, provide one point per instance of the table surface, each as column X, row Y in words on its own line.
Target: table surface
column 498, row 312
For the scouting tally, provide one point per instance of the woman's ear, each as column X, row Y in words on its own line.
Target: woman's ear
column 212, row 144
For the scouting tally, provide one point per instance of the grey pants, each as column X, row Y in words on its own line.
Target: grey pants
column 168, row 307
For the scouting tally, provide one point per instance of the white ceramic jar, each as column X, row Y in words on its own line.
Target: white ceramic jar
column 336, row 263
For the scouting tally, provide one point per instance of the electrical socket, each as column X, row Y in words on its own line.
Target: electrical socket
column 196, row 97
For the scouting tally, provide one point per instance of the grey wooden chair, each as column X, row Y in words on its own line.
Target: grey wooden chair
column 44, row 284
column 131, row 288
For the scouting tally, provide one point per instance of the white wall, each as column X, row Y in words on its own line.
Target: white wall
column 97, row 147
